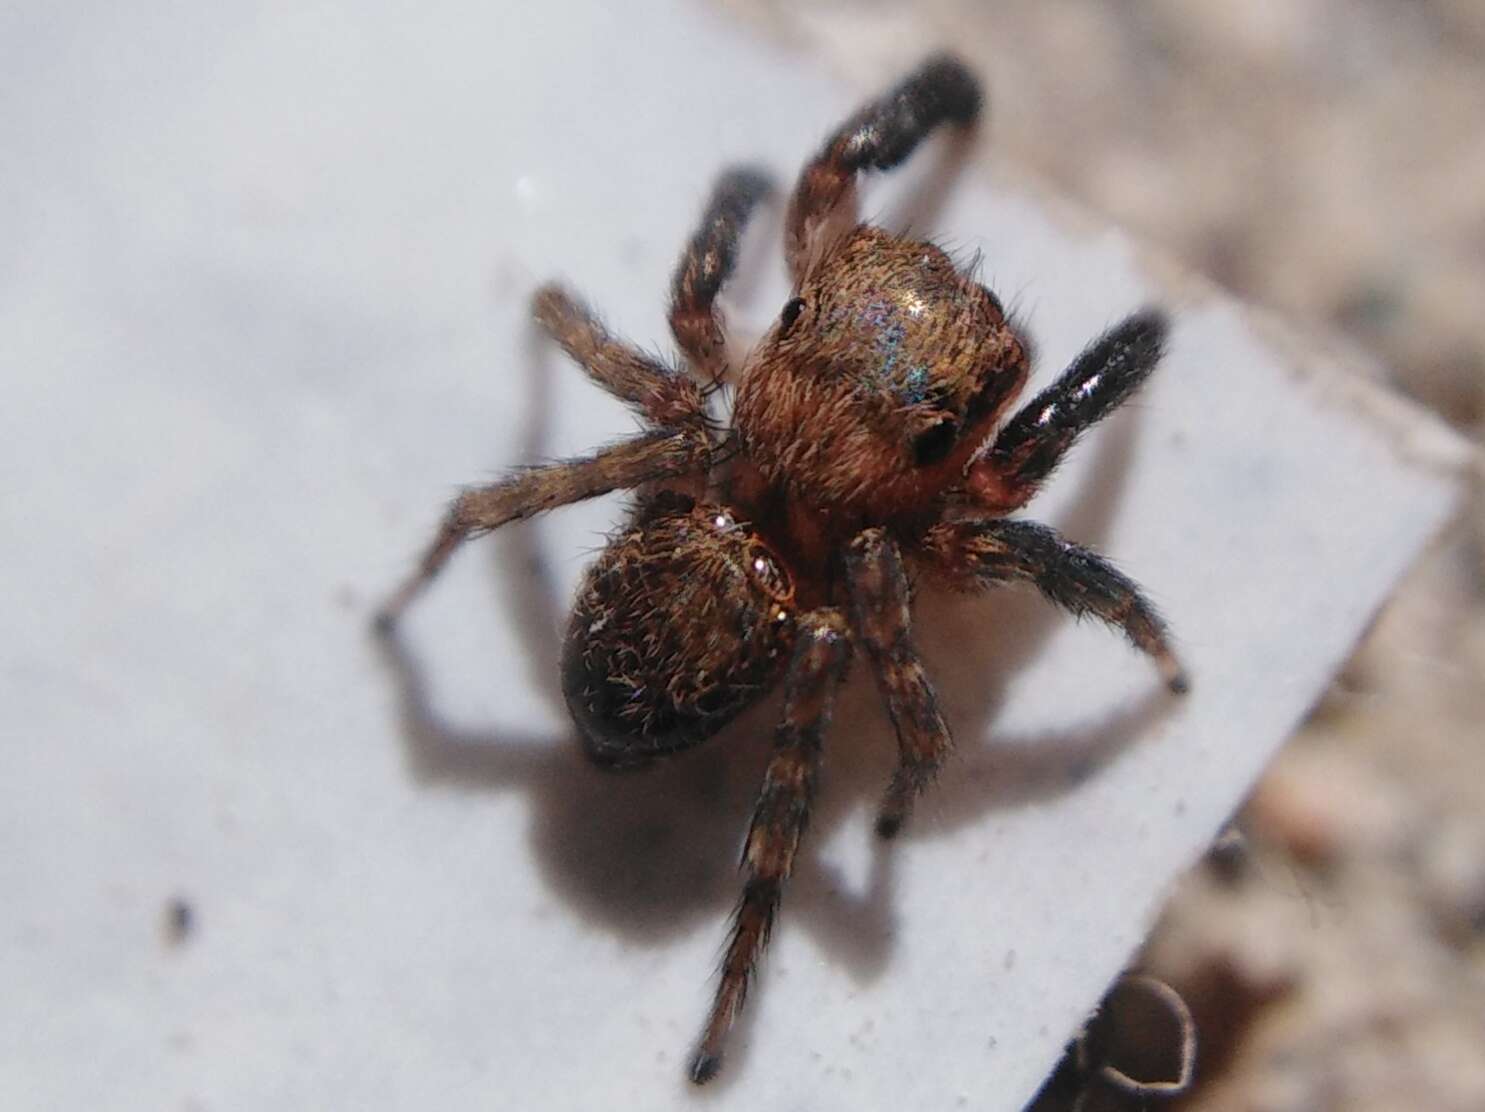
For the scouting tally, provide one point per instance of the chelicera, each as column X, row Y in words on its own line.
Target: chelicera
column 868, row 437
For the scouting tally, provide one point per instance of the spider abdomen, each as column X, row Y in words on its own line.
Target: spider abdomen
column 685, row 620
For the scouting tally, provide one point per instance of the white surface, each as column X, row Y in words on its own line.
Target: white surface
column 261, row 309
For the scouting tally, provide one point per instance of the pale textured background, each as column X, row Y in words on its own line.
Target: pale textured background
column 263, row 306
column 1324, row 158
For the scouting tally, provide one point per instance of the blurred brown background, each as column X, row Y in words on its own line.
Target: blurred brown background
column 1324, row 159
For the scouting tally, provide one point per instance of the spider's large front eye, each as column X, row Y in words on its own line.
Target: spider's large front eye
column 791, row 312
column 933, row 445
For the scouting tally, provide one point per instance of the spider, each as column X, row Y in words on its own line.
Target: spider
column 866, row 439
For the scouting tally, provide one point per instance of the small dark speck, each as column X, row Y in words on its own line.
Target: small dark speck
column 1010, row 960
column 179, row 922
column 1227, row 859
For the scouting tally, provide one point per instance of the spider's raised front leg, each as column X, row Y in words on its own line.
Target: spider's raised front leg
column 821, row 658
column 971, row 555
column 662, row 453
column 880, row 617
column 1033, row 442
column 878, row 137
column 707, row 264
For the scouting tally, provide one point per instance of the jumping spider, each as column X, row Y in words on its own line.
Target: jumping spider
column 866, row 438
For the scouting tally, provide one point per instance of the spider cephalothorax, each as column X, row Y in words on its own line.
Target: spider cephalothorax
column 866, row 436
column 882, row 377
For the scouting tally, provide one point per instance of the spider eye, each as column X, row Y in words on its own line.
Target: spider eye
column 932, row 446
column 791, row 312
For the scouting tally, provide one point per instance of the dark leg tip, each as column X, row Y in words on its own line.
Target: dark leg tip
column 1148, row 327
column 888, row 825
column 704, row 1067
column 955, row 84
column 1177, row 679
column 749, row 183
column 383, row 622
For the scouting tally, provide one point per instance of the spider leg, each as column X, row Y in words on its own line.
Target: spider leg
column 1032, row 443
column 707, row 264
column 880, row 618
column 821, row 657
column 662, row 394
column 661, row 453
column 975, row 554
column 878, row 137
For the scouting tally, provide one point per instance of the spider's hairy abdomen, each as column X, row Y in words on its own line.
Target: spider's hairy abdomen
column 684, row 621
column 880, row 382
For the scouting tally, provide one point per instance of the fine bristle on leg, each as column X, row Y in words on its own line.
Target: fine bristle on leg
column 662, row 394
column 878, row 137
column 705, row 267
column 880, row 617
column 821, row 658
column 978, row 554
column 664, row 453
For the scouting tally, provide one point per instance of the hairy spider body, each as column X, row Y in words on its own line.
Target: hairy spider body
column 895, row 366
column 866, row 435
column 685, row 620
